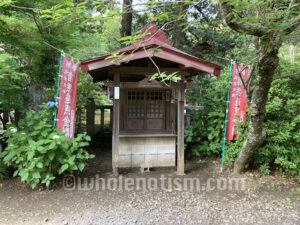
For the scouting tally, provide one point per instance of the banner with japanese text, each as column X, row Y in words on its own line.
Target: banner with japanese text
column 66, row 115
column 237, row 101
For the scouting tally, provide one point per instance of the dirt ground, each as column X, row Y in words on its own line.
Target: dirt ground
column 264, row 200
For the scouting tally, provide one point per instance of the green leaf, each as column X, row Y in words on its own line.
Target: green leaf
column 52, row 145
column 33, row 185
column 126, row 38
column 41, row 149
column 36, row 175
column 88, row 138
column 30, row 155
column 73, row 167
column 63, row 168
column 15, row 173
column 71, row 159
column 81, row 166
column 39, row 165
column 24, row 176
column 10, row 155
column 65, row 145
column 51, row 155
column 40, row 142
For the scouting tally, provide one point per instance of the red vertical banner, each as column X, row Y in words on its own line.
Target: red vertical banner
column 237, row 101
column 66, row 115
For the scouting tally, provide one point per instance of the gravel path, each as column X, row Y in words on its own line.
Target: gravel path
column 266, row 200
column 191, row 208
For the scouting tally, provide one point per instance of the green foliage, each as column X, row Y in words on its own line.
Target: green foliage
column 234, row 147
column 204, row 137
column 275, row 16
column 25, row 32
column 86, row 29
column 68, row 25
column 12, row 83
column 283, row 123
column 4, row 170
column 86, row 89
column 281, row 147
column 96, row 40
column 40, row 151
column 265, row 168
column 163, row 77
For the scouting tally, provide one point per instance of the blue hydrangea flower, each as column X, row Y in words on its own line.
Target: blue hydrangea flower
column 52, row 104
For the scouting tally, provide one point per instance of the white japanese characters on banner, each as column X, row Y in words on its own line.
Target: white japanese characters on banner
column 68, row 97
column 237, row 103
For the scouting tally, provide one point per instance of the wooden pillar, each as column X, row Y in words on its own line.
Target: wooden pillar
column 102, row 118
column 180, row 129
column 116, row 125
column 173, row 111
column 90, row 117
column 111, row 117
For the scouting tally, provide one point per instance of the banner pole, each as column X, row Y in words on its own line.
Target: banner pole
column 58, row 84
column 226, row 117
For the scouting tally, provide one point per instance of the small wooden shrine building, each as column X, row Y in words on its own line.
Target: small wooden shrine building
column 146, row 124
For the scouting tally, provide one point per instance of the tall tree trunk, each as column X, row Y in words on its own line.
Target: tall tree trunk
column 178, row 34
column 126, row 18
column 266, row 67
column 37, row 96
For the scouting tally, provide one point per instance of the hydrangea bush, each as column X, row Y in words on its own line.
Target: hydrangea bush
column 41, row 152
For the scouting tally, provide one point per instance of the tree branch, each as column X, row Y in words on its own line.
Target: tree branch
column 293, row 27
column 22, row 7
column 248, row 80
column 158, row 70
column 287, row 76
column 290, row 14
column 240, row 75
column 228, row 12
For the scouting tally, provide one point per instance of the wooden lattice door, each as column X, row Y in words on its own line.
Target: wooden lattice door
column 145, row 110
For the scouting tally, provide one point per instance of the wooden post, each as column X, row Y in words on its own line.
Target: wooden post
column 180, row 129
column 111, row 117
column 173, row 111
column 116, row 120
column 90, row 117
column 102, row 119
